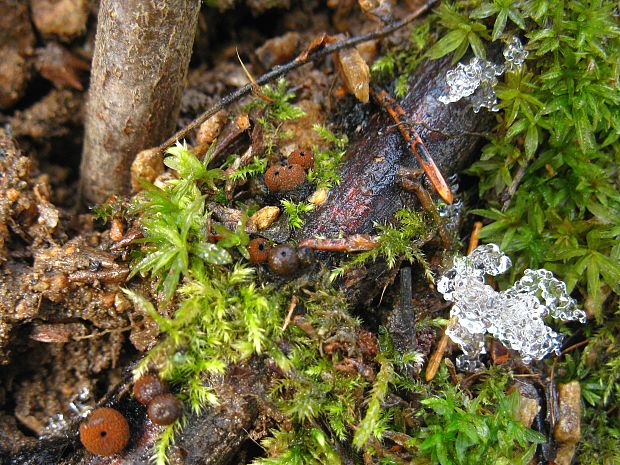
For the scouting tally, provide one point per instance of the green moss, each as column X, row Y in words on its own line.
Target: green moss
column 295, row 212
column 400, row 240
column 324, row 174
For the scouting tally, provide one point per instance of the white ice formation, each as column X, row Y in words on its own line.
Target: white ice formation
column 514, row 53
column 515, row 316
column 477, row 80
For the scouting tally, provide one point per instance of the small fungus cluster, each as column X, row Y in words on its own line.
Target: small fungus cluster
column 106, row 430
column 283, row 260
column 163, row 408
column 283, row 178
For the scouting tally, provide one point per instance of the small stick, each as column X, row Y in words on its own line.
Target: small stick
column 514, row 186
column 474, row 238
column 290, row 66
column 435, row 360
column 353, row 243
column 289, row 315
column 415, row 142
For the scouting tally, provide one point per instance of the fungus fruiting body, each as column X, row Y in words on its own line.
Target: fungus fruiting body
column 147, row 388
column 280, row 178
column 259, row 250
column 302, row 157
column 306, row 256
column 283, row 260
column 165, row 409
column 105, row 432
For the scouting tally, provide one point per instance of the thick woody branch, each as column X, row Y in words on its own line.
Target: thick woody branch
column 142, row 53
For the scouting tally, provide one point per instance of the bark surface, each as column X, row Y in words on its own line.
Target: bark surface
column 142, row 53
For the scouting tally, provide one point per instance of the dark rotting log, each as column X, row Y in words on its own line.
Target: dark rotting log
column 142, row 53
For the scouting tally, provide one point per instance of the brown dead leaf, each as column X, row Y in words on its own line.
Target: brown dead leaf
column 354, row 72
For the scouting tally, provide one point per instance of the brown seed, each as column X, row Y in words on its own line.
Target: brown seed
column 303, row 157
column 259, row 250
column 283, row 260
column 104, row 432
column 165, row 409
column 284, row 178
column 147, row 388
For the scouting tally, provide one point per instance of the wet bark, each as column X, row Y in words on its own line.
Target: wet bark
column 142, row 53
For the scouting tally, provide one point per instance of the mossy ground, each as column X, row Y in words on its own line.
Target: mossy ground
column 548, row 187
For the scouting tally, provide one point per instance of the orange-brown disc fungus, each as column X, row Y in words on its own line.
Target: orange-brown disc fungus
column 165, row 409
column 303, row 157
column 147, row 388
column 283, row 260
column 258, row 249
column 105, row 432
column 279, row 178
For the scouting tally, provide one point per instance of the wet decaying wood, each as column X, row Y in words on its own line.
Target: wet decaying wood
column 370, row 192
column 141, row 57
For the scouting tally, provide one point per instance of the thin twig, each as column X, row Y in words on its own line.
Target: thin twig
column 447, row 135
column 513, row 187
column 474, row 238
column 573, row 347
column 290, row 66
column 289, row 315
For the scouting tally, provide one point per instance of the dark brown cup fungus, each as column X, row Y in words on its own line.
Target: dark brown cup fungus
column 283, row 260
column 259, row 250
column 303, row 157
column 105, row 432
column 147, row 388
column 280, row 178
column 165, row 409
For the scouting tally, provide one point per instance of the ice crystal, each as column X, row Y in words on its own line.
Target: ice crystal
column 514, row 316
column 514, row 53
column 477, row 78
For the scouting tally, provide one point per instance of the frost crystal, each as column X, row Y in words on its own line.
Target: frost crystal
column 514, row 316
column 514, row 53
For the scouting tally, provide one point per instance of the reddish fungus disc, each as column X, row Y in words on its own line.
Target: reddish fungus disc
column 147, row 388
column 105, row 432
column 165, row 409
column 284, row 178
column 259, row 250
column 303, row 157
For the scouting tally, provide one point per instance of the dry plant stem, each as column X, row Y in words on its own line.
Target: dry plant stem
column 475, row 237
column 290, row 66
column 353, row 243
column 142, row 53
column 289, row 314
column 435, row 360
column 513, row 187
